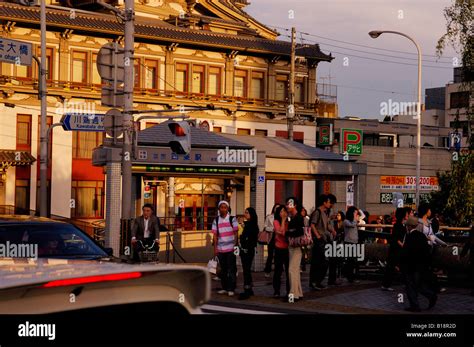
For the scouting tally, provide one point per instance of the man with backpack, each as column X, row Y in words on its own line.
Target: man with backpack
column 323, row 233
column 225, row 228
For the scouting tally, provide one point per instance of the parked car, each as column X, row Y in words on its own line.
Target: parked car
column 72, row 273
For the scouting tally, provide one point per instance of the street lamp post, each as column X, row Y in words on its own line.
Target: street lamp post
column 374, row 34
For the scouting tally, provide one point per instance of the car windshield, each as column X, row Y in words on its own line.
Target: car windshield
column 52, row 240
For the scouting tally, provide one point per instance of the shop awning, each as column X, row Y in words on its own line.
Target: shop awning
column 15, row 158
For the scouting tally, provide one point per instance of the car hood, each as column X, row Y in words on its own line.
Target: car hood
column 40, row 285
column 15, row 272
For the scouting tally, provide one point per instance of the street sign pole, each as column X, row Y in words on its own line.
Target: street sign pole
column 128, row 111
column 43, row 128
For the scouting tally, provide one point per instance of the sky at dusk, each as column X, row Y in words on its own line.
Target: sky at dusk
column 341, row 27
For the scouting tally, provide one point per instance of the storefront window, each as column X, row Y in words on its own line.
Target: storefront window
column 88, row 197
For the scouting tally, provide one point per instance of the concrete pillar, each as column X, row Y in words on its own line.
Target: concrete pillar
column 360, row 189
column 113, row 206
column 309, row 195
column 171, row 187
column 270, row 196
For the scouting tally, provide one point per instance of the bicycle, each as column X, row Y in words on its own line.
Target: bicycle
column 148, row 254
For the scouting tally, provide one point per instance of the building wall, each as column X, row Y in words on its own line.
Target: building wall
column 403, row 164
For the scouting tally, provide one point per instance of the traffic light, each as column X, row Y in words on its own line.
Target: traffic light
column 181, row 142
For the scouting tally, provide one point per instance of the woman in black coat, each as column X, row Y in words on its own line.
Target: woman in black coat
column 248, row 243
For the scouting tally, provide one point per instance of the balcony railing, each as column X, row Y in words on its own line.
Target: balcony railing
column 77, row 87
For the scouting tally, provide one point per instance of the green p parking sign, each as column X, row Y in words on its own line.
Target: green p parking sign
column 351, row 141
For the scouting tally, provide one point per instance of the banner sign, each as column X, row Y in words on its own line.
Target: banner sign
column 408, row 183
column 408, row 198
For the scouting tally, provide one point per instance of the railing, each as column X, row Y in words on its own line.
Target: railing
column 150, row 92
column 187, row 223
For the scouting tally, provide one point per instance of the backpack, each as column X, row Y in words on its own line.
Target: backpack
column 231, row 218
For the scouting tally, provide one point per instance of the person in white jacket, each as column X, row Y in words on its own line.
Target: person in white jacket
column 424, row 213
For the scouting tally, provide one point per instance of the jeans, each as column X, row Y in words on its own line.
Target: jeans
column 319, row 264
column 282, row 260
column 350, row 267
column 228, row 262
column 247, row 259
column 334, row 264
column 271, row 251
column 418, row 281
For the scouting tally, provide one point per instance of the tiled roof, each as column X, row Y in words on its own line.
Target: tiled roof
column 10, row 157
column 231, row 5
column 160, row 135
column 276, row 147
column 154, row 30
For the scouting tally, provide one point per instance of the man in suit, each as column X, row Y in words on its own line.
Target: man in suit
column 145, row 228
column 416, row 265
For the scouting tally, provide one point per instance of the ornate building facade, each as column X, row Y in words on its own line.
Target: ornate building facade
column 187, row 53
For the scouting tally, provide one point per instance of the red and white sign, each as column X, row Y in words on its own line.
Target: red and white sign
column 408, row 182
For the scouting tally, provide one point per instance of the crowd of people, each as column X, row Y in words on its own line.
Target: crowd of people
column 412, row 243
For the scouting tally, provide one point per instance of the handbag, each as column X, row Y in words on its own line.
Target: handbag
column 213, row 266
column 264, row 237
column 304, row 240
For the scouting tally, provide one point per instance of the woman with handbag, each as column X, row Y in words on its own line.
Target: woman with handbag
column 248, row 243
column 295, row 230
column 304, row 249
column 282, row 260
column 270, row 234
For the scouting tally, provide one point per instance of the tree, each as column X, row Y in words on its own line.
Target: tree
column 455, row 200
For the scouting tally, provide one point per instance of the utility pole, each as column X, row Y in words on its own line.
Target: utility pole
column 128, row 128
column 44, row 108
column 291, row 106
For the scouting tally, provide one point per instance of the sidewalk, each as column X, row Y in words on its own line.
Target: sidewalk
column 365, row 297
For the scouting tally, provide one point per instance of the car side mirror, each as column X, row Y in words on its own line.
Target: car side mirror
column 109, row 251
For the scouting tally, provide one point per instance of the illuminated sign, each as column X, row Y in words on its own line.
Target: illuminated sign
column 325, row 137
column 408, row 182
column 351, row 141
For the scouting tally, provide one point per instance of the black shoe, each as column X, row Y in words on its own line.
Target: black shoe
column 276, row 295
column 432, row 302
column 244, row 296
column 413, row 309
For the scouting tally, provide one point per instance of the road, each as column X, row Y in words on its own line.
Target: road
column 365, row 297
